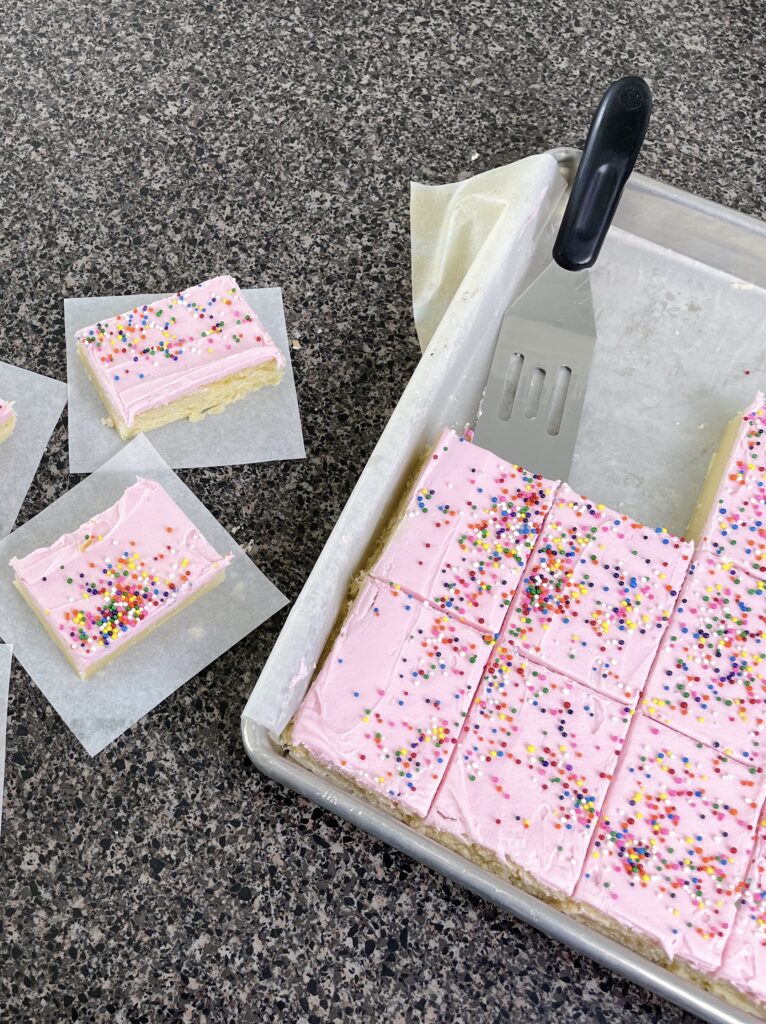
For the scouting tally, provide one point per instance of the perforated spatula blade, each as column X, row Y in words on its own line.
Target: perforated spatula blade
column 535, row 391
column 534, row 396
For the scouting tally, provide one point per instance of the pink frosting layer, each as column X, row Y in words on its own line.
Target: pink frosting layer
column 673, row 843
column 736, row 529
column 470, row 525
column 119, row 573
column 709, row 679
column 597, row 595
column 531, row 769
column 155, row 354
column 744, row 962
column 388, row 704
column 6, row 411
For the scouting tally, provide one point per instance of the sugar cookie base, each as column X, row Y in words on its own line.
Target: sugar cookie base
column 159, row 620
column 7, row 428
column 205, row 401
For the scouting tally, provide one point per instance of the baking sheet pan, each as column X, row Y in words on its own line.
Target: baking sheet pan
column 668, row 254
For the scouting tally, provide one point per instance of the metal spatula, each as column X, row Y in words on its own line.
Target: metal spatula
column 535, row 391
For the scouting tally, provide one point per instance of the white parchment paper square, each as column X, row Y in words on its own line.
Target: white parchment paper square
column 261, row 427
column 101, row 708
column 39, row 402
column 5, row 677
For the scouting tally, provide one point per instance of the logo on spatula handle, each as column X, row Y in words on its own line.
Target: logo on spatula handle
column 630, row 98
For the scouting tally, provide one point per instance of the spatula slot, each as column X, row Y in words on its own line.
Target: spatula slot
column 534, row 392
column 558, row 400
column 515, row 366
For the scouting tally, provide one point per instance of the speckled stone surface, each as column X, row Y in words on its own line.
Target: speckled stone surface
column 148, row 146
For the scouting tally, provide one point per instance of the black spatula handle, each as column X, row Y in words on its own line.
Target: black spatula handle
column 614, row 140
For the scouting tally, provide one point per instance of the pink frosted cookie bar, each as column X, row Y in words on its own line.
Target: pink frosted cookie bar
column 744, row 961
column 673, row 843
column 388, row 704
column 735, row 529
column 531, row 769
column 469, row 527
column 120, row 574
column 709, row 679
column 597, row 595
column 180, row 357
column 7, row 420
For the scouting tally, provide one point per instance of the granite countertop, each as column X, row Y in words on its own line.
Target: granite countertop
column 149, row 146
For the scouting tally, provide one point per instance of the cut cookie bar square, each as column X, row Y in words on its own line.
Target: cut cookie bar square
column 744, row 961
column 7, row 420
column 531, row 769
column 119, row 575
column 387, row 706
column 597, row 595
column 672, row 844
column 709, row 679
column 470, row 524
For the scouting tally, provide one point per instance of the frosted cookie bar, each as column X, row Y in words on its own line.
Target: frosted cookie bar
column 709, row 679
column 7, row 420
column 387, row 706
column 469, row 526
column 530, row 771
column 181, row 357
column 107, row 584
column 672, row 847
column 744, row 962
column 597, row 595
